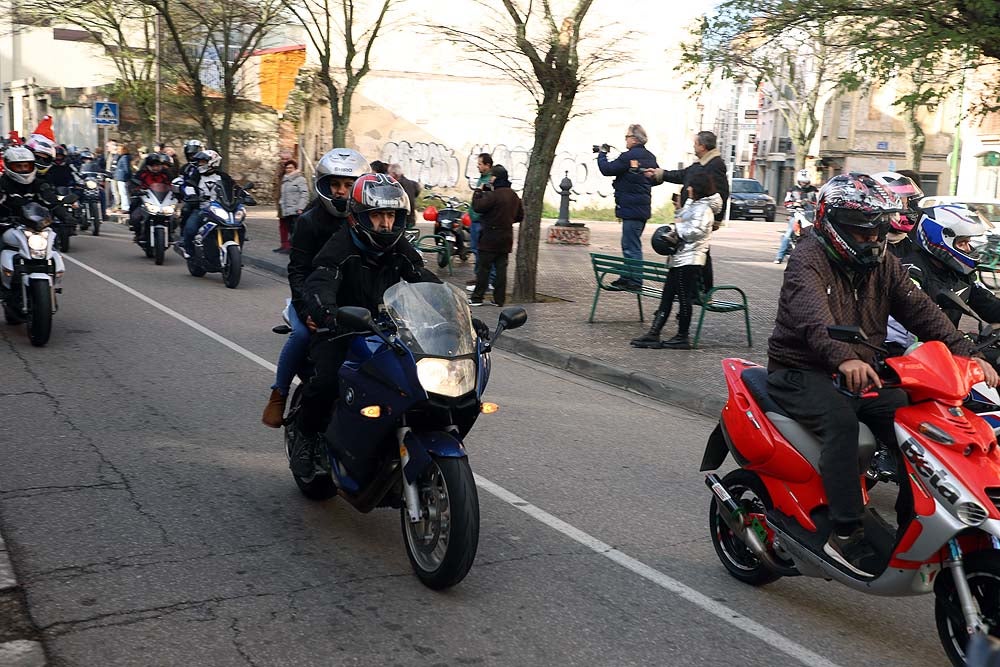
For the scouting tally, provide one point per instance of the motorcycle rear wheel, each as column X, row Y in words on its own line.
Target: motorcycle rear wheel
column 12, row 316
column 39, row 312
column 982, row 571
column 194, row 269
column 750, row 494
column 442, row 546
column 159, row 245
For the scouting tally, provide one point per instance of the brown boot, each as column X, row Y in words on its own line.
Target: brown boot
column 274, row 413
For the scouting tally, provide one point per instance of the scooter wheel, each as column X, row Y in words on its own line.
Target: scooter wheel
column 750, row 494
column 982, row 571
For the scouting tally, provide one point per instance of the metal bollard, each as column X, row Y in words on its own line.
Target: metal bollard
column 565, row 186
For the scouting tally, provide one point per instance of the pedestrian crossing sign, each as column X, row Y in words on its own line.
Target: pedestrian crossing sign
column 106, row 113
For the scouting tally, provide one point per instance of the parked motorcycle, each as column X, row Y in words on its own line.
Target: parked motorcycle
column 89, row 193
column 410, row 391
column 218, row 245
column 32, row 270
column 769, row 518
column 158, row 207
column 65, row 226
column 451, row 223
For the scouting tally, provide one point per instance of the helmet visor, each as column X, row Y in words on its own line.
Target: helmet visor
column 850, row 217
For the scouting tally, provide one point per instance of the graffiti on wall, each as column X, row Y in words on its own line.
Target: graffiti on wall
column 425, row 162
column 581, row 169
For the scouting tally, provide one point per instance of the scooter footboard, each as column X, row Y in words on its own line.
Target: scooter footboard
column 421, row 445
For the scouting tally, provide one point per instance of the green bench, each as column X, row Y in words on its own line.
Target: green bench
column 608, row 268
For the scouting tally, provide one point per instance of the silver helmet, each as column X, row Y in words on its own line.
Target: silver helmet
column 16, row 154
column 337, row 163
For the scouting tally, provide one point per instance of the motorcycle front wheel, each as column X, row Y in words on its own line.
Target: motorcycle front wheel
column 442, row 545
column 751, row 495
column 95, row 218
column 39, row 312
column 159, row 245
column 982, row 571
column 232, row 270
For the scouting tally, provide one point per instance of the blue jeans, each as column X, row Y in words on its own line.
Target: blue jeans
column 632, row 241
column 474, row 230
column 786, row 238
column 191, row 227
column 293, row 354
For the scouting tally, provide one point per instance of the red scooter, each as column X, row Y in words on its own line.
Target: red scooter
column 769, row 518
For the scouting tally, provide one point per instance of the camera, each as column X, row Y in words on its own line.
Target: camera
column 603, row 148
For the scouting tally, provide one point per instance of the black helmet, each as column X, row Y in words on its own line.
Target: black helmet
column 665, row 240
column 157, row 158
column 191, row 148
column 377, row 192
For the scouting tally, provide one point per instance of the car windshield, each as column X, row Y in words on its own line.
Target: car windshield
column 745, row 186
column 432, row 319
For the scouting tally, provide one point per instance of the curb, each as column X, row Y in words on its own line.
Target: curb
column 20, row 652
column 638, row 382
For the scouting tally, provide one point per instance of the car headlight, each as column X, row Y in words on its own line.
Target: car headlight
column 90, row 184
column 38, row 243
column 448, row 377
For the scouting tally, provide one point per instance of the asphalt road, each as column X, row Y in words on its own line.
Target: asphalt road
column 152, row 520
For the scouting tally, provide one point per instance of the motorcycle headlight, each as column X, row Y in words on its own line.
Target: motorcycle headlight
column 448, row 377
column 241, row 215
column 38, row 243
column 151, row 207
column 167, row 210
column 90, row 184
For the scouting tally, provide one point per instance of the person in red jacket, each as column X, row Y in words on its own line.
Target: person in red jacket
column 153, row 171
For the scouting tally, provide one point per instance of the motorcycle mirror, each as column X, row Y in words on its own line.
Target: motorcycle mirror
column 948, row 299
column 512, row 318
column 847, row 334
column 354, row 318
column 249, row 186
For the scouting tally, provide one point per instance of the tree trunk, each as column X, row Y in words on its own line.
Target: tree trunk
column 915, row 138
column 344, row 118
column 550, row 121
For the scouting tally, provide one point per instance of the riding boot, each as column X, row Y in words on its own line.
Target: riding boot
column 651, row 339
column 274, row 412
column 678, row 342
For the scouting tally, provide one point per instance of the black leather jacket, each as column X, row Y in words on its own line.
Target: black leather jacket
column 934, row 277
column 313, row 228
column 14, row 195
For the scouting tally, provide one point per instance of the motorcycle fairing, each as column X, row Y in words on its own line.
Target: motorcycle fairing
column 930, row 372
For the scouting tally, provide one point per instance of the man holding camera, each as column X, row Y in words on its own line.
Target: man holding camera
column 633, row 194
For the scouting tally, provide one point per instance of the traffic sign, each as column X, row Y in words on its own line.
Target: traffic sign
column 106, row 113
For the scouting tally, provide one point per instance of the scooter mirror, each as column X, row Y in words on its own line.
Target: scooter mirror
column 354, row 318
column 847, row 334
column 512, row 318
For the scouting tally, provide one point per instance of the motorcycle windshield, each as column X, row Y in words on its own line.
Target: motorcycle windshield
column 160, row 190
column 432, row 319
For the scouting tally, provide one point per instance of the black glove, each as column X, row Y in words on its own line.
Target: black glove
column 482, row 330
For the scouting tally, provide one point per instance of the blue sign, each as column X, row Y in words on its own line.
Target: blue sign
column 882, row 146
column 105, row 113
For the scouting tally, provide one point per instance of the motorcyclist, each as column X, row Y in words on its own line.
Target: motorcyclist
column 354, row 268
column 900, row 239
column 948, row 241
column 154, row 170
column 840, row 275
column 90, row 165
column 61, row 173
column 199, row 189
column 45, row 153
column 333, row 179
column 803, row 194
column 189, row 172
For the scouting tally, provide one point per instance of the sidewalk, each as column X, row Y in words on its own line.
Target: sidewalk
column 558, row 334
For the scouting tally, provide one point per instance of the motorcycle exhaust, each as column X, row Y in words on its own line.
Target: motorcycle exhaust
column 733, row 514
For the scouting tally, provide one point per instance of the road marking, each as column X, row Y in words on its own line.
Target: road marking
column 717, row 609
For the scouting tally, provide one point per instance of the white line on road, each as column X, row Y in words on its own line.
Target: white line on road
column 721, row 611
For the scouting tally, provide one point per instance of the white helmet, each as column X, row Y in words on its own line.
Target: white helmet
column 16, row 154
column 338, row 163
column 213, row 159
column 44, row 150
column 803, row 177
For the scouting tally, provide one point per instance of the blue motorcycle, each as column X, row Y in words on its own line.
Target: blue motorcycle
column 218, row 245
column 410, row 391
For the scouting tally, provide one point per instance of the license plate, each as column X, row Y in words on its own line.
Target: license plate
column 448, row 237
column 756, row 210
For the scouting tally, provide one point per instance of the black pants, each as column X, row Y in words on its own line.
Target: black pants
column 682, row 284
column 810, row 398
column 320, row 393
column 487, row 261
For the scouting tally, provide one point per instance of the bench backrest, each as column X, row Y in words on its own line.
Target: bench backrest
column 649, row 270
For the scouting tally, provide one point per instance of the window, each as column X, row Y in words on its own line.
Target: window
column 745, row 185
column 929, row 183
column 68, row 35
column 844, row 122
